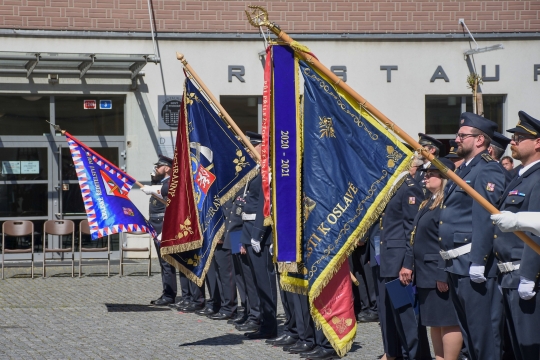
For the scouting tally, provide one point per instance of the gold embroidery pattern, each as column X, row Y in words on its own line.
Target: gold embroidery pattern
column 309, row 205
column 240, row 162
column 192, row 97
column 393, row 156
column 342, row 105
column 195, row 261
column 326, row 127
column 185, row 230
column 341, row 324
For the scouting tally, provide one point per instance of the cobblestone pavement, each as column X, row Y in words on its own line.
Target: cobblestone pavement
column 96, row 317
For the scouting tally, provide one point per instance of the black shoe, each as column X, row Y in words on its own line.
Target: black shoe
column 272, row 341
column 326, row 354
column 192, row 307
column 368, row 316
column 259, row 335
column 219, row 316
column 300, row 348
column 180, row 303
column 241, row 320
column 161, row 302
column 205, row 312
column 248, row 326
column 286, row 341
column 307, row 354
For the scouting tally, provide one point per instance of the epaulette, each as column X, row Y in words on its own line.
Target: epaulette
column 410, row 182
column 487, row 157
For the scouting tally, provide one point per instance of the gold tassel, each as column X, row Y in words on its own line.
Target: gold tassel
column 287, row 267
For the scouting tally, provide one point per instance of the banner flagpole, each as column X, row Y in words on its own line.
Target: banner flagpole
column 63, row 132
column 259, row 17
column 224, row 115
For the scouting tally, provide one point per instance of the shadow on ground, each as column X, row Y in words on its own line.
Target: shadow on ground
column 134, row 308
column 226, row 339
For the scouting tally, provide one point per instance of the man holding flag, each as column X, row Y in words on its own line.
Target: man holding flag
column 162, row 174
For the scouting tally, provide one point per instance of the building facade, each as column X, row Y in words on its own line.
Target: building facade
column 107, row 72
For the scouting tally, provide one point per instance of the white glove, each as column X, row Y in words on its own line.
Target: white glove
column 256, row 245
column 521, row 221
column 526, row 288
column 476, row 272
column 152, row 190
column 272, row 249
column 159, row 237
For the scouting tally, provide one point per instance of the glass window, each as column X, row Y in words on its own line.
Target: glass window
column 24, row 115
column 442, row 111
column 23, row 200
column 442, row 114
column 244, row 110
column 68, row 168
column 23, row 164
column 493, row 108
column 90, row 115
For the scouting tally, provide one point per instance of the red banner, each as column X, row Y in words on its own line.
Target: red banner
column 181, row 230
column 334, row 310
column 266, row 112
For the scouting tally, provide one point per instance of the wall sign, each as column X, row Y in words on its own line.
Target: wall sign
column 90, row 104
column 168, row 112
column 105, row 104
column 11, row 167
column 29, row 167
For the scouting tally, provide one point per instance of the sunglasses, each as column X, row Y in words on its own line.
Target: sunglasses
column 432, row 174
column 517, row 138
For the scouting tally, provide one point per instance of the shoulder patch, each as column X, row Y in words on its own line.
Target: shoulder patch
column 487, row 157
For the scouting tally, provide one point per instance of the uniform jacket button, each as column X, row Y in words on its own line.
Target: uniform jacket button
column 494, row 236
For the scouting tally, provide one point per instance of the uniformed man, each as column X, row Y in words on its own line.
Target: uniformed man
column 225, row 271
column 161, row 175
column 519, row 265
column 396, row 227
column 452, row 154
column 496, row 150
column 466, row 240
column 256, row 238
column 434, row 146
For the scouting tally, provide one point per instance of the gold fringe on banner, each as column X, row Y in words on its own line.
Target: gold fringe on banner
column 287, row 267
column 180, row 247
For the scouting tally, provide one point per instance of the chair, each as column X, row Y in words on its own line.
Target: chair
column 59, row 227
column 18, row 228
column 84, row 228
column 141, row 249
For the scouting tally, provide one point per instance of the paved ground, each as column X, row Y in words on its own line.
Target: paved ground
column 96, row 317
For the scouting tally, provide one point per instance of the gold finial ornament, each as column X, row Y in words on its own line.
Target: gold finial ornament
column 258, row 16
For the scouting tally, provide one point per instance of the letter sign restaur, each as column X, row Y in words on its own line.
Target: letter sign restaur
column 237, row 71
column 439, row 74
column 340, row 71
column 490, row 78
column 389, row 69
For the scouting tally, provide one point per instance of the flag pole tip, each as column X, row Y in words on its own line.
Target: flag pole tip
column 179, row 56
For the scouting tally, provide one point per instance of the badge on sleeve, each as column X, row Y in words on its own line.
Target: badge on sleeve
column 412, row 200
column 490, row 187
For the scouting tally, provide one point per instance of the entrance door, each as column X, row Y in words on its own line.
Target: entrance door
column 31, row 189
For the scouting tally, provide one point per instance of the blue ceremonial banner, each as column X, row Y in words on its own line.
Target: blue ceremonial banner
column 105, row 190
column 220, row 167
column 350, row 164
column 286, row 156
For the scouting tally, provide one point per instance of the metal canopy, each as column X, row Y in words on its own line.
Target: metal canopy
column 27, row 64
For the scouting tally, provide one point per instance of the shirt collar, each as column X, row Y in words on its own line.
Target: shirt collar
column 525, row 168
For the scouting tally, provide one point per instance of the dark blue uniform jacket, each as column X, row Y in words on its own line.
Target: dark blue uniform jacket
column 523, row 194
column 464, row 220
column 396, row 225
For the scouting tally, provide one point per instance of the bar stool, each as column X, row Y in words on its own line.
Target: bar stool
column 59, row 227
column 18, row 228
column 84, row 228
column 140, row 249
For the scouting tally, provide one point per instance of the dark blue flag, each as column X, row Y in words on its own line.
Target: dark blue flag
column 220, row 167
